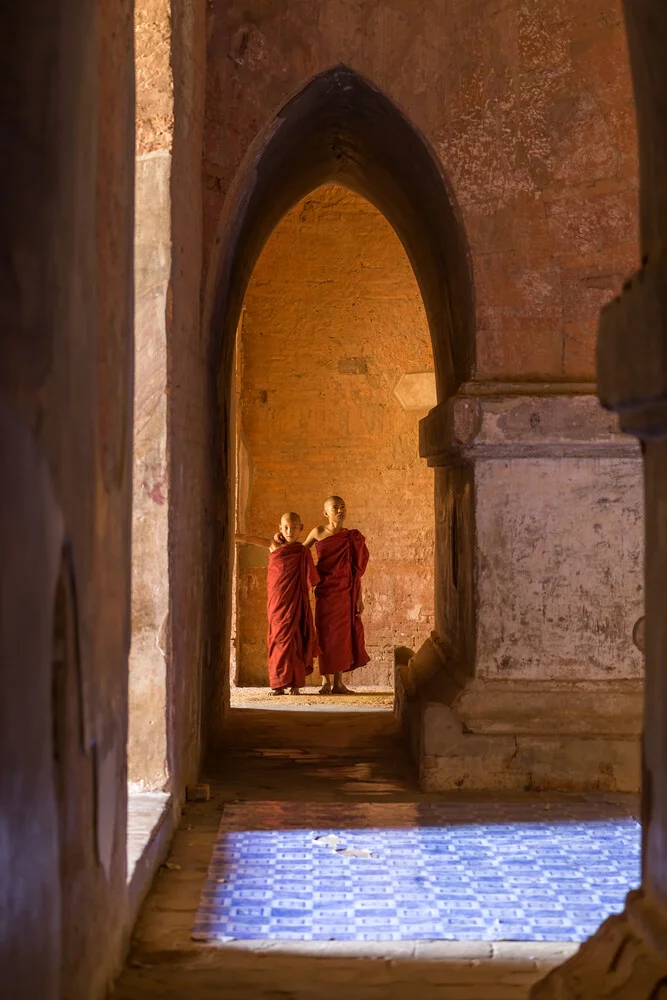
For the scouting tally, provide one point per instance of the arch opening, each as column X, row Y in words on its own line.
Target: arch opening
column 338, row 129
column 334, row 370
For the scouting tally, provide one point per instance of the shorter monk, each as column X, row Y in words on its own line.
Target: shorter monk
column 342, row 557
column 291, row 635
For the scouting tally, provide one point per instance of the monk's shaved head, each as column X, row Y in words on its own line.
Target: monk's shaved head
column 290, row 526
column 334, row 510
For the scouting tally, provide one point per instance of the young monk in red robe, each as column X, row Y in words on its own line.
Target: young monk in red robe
column 342, row 557
column 291, row 636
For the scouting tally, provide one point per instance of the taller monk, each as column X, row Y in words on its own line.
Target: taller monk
column 342, row 557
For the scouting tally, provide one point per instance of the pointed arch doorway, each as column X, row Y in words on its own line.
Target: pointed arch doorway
column 337, row 129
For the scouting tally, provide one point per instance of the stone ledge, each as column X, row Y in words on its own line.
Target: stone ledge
column 451, row 755
column 431, row 673
column 483, row 735
column 505, row 763
column 579, row 708
column 507, row 424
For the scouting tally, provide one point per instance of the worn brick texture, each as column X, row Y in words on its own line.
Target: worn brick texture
column 153, row 76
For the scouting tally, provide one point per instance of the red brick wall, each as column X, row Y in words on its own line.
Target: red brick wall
column 332, row 319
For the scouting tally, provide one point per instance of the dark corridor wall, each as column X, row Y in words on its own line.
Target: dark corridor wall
column 66, row 193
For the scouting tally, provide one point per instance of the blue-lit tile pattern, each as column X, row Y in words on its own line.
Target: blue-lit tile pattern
column 401, row 872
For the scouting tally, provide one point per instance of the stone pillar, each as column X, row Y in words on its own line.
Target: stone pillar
column 535, row 604
column 170, row 424
column 627, row 958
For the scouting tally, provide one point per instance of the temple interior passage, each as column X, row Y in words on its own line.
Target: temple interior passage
column 333, row 637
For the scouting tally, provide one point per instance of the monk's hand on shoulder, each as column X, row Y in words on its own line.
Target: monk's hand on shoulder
column 278, row 538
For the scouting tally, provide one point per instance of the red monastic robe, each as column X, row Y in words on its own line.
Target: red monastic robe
column 291, row 636
column 341, row 562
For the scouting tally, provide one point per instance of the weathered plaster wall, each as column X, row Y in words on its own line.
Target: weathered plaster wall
column 560, row 567
column 190, row 401
column 553, row 533
column 170, row 398
column 147, row 736
column 528, row 105
column 333, row 341
column 66, row 361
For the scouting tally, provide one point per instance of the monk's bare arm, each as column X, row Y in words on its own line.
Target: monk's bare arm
column 360, row 601
column 315, row 536
column 262, row 543
column 311, row 539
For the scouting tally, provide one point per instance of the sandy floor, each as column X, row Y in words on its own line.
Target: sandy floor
column 366, row 699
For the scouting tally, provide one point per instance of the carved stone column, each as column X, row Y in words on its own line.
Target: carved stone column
column 627, row 958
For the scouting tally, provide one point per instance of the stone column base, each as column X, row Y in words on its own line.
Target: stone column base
column 476, row 734
column 625, row 960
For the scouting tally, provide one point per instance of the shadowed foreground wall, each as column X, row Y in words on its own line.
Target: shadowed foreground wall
column 66, row 369
column 333, row 322
column 66, row 365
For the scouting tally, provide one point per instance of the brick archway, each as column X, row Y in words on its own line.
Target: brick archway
column 338, row 128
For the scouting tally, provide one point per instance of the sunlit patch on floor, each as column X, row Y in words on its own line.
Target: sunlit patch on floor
column 429, row 871
column 360, row 700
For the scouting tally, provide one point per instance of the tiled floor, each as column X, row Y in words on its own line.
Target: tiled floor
column 487, row 871
column 337, row 760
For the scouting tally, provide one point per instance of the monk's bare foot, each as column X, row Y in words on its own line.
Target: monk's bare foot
column 276, row 691
column 326, row 688
column 294, row 690
column 339, row 688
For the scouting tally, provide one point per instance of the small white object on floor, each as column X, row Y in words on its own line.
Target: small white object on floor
column 330, row 840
